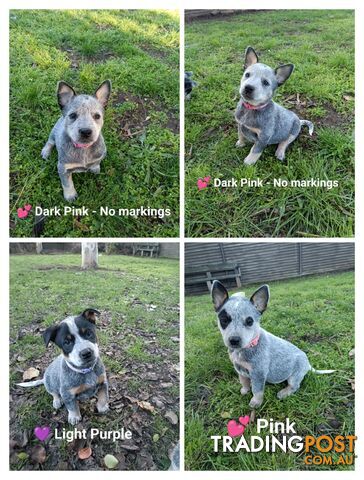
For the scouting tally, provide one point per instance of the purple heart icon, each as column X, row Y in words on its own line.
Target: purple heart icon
column 42, row 433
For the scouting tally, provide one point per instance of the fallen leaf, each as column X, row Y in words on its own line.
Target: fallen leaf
column 38, row 454
column 172, row 417
column 146, row 406
column 352, row 383
column 155, row 438
column 30, row 373
column 84, row 453
column 225, row 414
column 110, row 461
column 352, row 353
column 23, row 456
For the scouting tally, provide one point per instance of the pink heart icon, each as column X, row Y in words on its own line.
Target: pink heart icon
column 201, row 184
column 22, row 213
column 235, row 429
column 244, row 420
column 207, row 179
column 42, row 433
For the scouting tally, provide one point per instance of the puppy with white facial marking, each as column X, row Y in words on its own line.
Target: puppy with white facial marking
column 77, row 134
column 78, row 373
column 257, row 355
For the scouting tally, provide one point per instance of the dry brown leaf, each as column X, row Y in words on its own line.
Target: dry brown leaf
column 146, row 406
column 172, row 417
column 38, row 454
column 31, row 373
column 84, row 453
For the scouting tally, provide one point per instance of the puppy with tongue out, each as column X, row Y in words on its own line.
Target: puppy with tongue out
column 77, row 134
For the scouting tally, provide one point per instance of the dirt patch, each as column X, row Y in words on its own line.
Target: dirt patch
column 313, row 338
column 142, row 396
column 135, row 121
column 301, row 105
column 203, row 15
column 77, row 58
column 153, row 52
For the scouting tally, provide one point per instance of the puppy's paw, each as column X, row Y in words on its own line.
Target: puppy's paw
column 46, row 151
column 285, row 392
column 103, row 408
column 244, row 390
column 57, row 403
column 95, row 169
column 69, row 194
column 255, row 402
column 251, row 159
column 280, row 155
column 74, row 418
column 240, row 144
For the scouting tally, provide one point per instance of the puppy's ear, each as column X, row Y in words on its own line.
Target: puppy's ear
column 91, row 314
column 250, row 57
column 50, row 334
column 260, row 298
column 103, row 92
column 65, row 93
column 219, row 294
column 283, row 72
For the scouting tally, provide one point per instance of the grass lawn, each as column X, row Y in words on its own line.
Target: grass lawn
column 317, row 315
column 138, row 300
column 321, row 89
column 139, row 52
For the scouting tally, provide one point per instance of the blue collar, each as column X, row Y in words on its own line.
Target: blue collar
column 81, row 370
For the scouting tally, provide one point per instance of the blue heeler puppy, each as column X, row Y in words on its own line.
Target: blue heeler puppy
column 260, row 120
column 257, row 355
column 77, row 134
column 78, row 373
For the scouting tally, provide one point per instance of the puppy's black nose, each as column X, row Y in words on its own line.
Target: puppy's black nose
column 235, row 341
column 248, row 89
column 85, row 132
column 86, row 354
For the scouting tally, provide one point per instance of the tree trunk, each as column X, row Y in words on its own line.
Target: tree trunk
column 89, row 255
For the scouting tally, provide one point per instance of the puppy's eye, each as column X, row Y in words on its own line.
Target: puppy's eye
column 225, row 319
column 88, row 333
column 265, row 83
column 67, row 341
column 97, row 116
column 72, row 116
column 247, row 75
column 249, row 321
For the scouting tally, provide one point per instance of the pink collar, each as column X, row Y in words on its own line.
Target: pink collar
column 248, row 106
column 82, row 145
column 254, row 342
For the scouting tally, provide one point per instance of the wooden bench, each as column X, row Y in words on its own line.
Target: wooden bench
column 209, row 273
column 151, row 249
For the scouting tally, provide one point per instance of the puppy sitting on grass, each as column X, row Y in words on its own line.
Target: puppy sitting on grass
column 257, row 355
column 260, row 120
column 77, row 134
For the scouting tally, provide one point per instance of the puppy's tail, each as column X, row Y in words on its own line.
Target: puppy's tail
column 321, row 372
column 308, row 124
column 35, row 383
